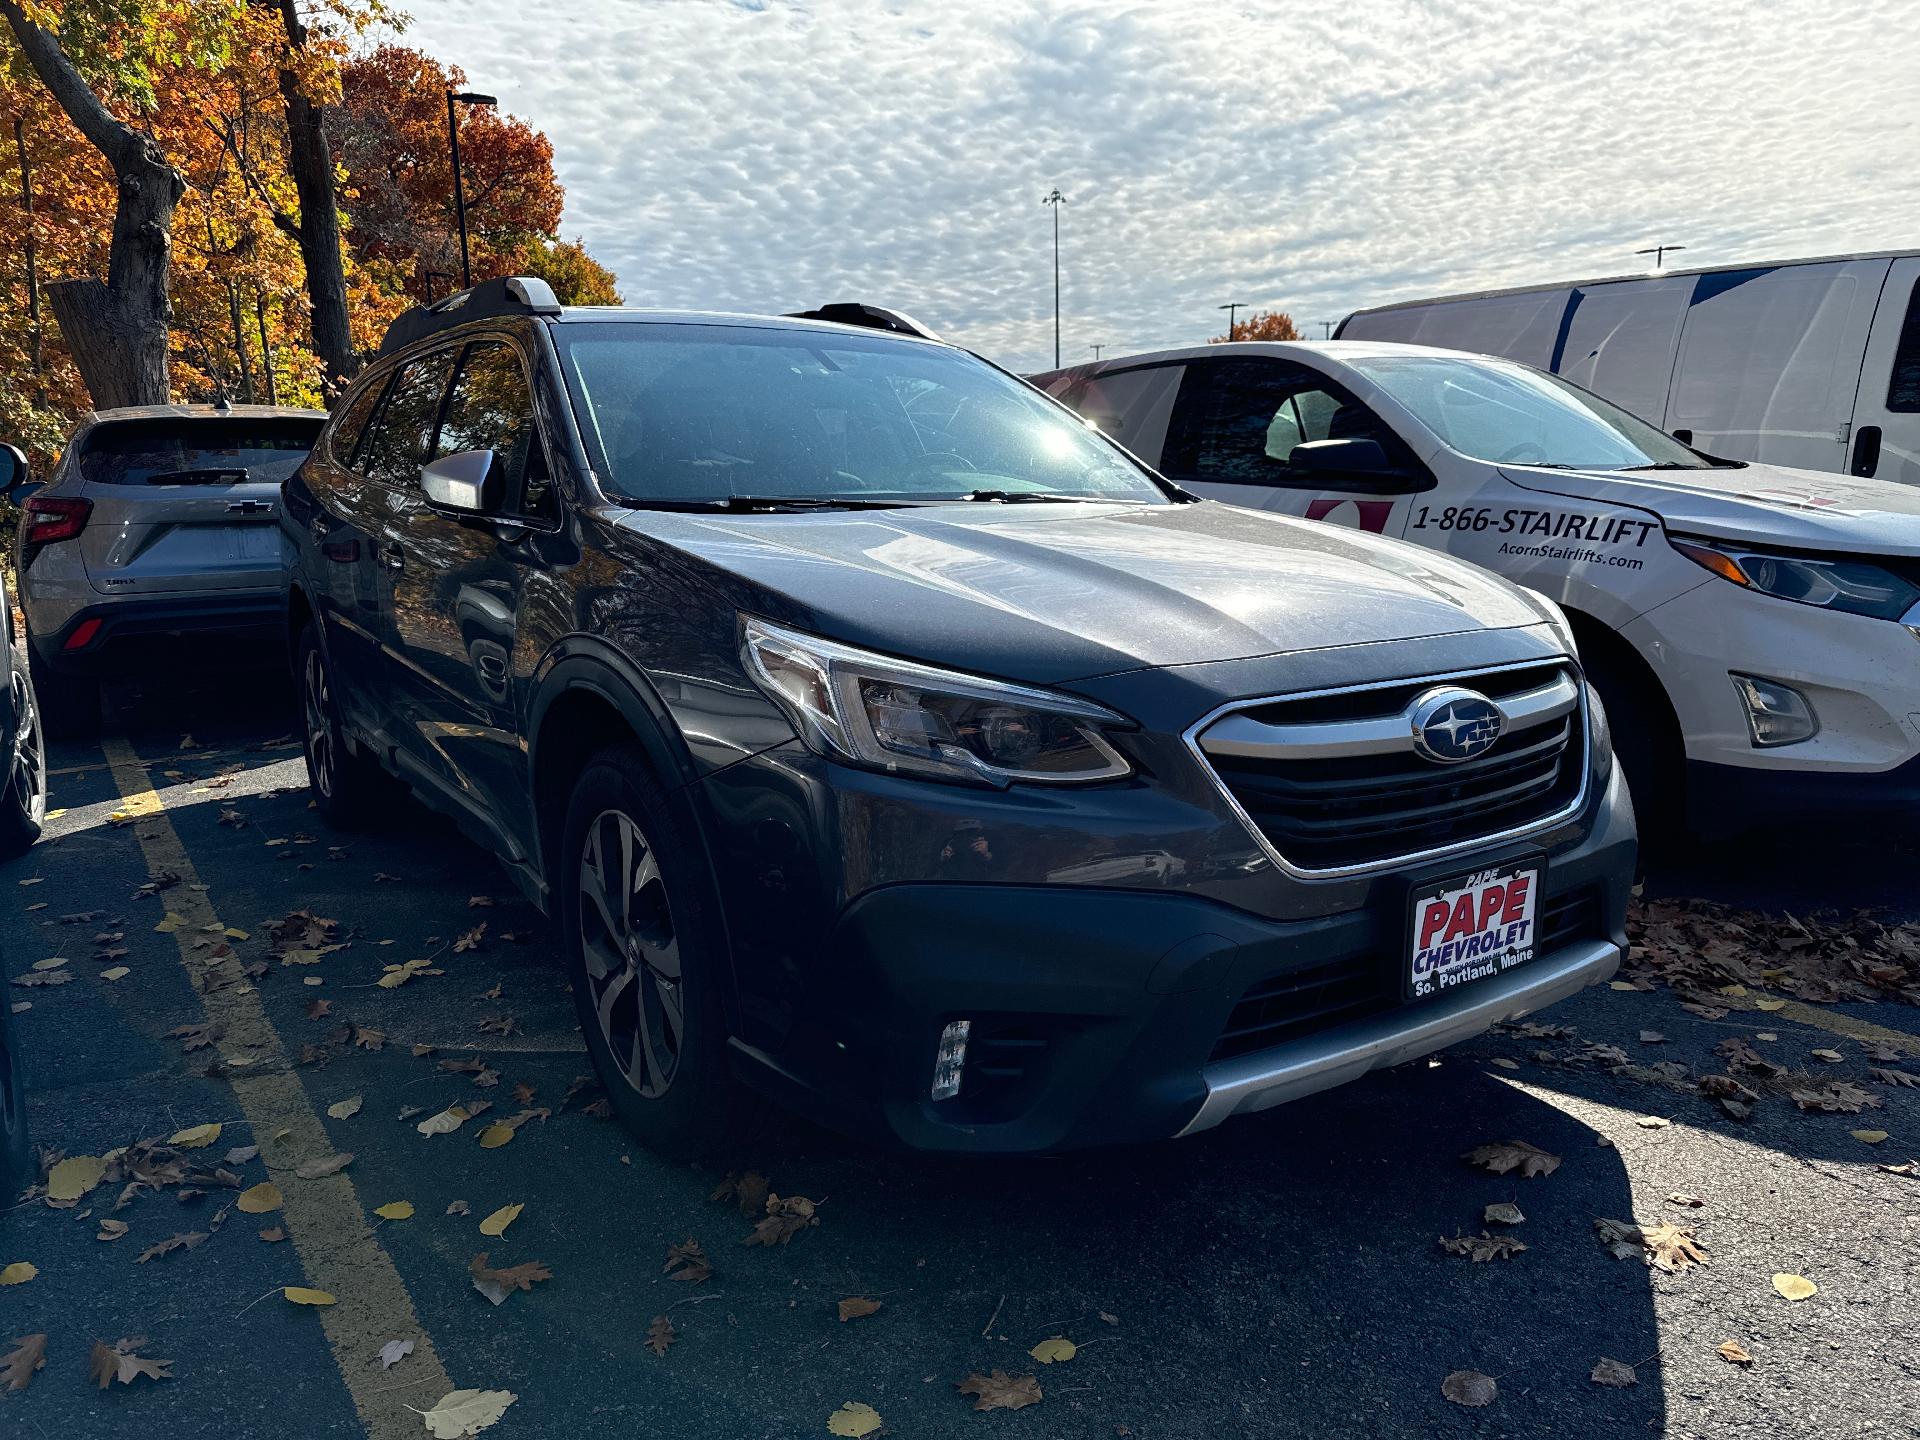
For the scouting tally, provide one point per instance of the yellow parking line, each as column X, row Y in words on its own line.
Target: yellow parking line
column 1831, row 1021
column 324, row 1218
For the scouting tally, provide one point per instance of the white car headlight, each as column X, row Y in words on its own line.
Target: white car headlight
column 894, row 715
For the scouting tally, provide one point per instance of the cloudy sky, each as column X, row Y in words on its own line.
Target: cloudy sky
column 772, row 154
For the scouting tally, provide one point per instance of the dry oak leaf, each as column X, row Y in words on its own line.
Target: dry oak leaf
column 496, row 1285
column 857, row 1307
column 1892, row 1077
column 748, row 1191
column 191, row 1037
column 1795, row 1287
column 854, row 1419
column 661, row 1334
column 785, row 1219
column 470, row 940
column 1470, row 1388
column 1000, row 1391
column 1508, row 1155
column 173, row 1242
column 1734, row 1353
column 119, row 1362
column 1502, row 1214
column 393, row 1352
column 1622, row 1238
column 1839, row 1098
column 326, row 1165
column 29, row 1354
column 1054, row 1350
column 1482, row 1246
column 465, row 1412
column 687, row 1261
column 1672, row 1248
column 1615, row 1373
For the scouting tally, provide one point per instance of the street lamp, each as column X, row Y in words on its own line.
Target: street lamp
column 1097, row 349
column 1056, row 200
column 463, row 97
column 1237, row 305
column 433, row 275
column 1659, row 253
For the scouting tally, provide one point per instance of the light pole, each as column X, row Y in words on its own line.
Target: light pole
column 463, row 97
column 1056, row 200
column 1326, row 329
column 1096, row 350
column 1231, row 310
column 1659, row 253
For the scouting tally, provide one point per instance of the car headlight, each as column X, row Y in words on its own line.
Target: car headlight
column 894, row 715
column 1857, row 586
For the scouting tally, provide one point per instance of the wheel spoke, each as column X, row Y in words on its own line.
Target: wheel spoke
column 673, row 1011
column 610, row 997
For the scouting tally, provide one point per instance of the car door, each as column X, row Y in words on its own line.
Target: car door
column 1885, row 443
column 1237, row 420
column 457, row 597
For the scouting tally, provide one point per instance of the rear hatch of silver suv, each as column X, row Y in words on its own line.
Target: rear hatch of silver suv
column 186, row 504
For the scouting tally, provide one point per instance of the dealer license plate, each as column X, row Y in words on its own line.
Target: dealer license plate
column 1472, row 927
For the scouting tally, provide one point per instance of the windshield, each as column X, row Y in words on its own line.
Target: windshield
column 1497, row 410
column 679, row 413
column 163, row 452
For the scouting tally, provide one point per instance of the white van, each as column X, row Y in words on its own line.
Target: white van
column 1812, row 363
column 1753, row 630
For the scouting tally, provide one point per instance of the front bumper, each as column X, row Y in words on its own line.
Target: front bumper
column 1098, row 1015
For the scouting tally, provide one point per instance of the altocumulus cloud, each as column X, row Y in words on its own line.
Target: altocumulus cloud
column 773, row 154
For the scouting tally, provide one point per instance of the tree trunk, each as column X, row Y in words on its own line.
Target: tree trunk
column 310, row 159
column 116, row 329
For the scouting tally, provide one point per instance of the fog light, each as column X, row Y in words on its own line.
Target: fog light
column 951, row 1059
column 1776, row 714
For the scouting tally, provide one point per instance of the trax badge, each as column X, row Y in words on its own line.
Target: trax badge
column 1451, row 724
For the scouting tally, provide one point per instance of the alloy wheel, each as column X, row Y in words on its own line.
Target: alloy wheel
column 632, row 953
column 319, row 709
column 29, row 761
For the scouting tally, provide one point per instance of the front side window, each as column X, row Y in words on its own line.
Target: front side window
column 1237, row 421
column 1903, row 389
column 196, row 451
column 1498, row 411
column 491, row 408
column 396, row 447
column 704, row 412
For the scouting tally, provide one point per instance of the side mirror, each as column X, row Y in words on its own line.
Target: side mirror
column 13, row 469
column 1355, row 463
column 466, row 483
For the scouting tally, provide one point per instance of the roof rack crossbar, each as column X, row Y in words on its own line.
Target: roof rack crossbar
column 508, row 295
column 867, row 317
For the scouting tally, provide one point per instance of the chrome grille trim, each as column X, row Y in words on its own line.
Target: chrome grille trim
column 1583, row 757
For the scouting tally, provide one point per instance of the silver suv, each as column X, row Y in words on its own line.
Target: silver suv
column 157, row 525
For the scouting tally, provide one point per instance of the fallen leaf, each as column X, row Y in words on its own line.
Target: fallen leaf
column 345, row 1109
column 1000, row 1391
column 687, row 1261
column 169, row 923
column 1681, row 1198
column 1505, row 1064
column 854, row 1419
column 1840, row 1097
column 111, row 1229
column 856, row 1307
column 496, row 1285
column 661, row 1334
column 1502, row 1214
column 466, row 1412
column 259, row 1199
column 749, row 1191
column 1868, row 1137
column 496, row 1224
column 1611, row 985
column 29, row 1354
column 785, row 1219
column 172, row 1243
column 446, row 1122
column 118, row 972
column 1734, row 1353
column 1795, row 1287
column 196, row 1137
column 1482, row 1246
column 1054, row 1350
column 74, row 1177
column 193, row 1037
column 1892, row 1077
column 301, row 1295
column 1652, row 1122
column 393, row 1352
column 1672, row 1248
column 1614, row 1373
column 241, row 1154
column 273, row 1234
column 18, row 1273
column 459, row 1207
column 324, row 1166
column 395, row 1210
column 1470, row 1388
column 44, row 977
column 120, row 1362
column 496, row 1135
column 471, row 939
column 1507, row 1155
column 319, row 1009
column 1770, row 1004
column 1832, row 1057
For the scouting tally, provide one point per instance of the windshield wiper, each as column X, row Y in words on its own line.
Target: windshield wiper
column 736, row 504
column 232, row 476
column 1029, row 497
column 1667, row 465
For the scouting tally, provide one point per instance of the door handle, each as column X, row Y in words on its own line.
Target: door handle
column 1866, row 451
column 319, row 527
column 393, row 557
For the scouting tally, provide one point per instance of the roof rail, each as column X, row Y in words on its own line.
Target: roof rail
column 509, row 295
column 867, row 317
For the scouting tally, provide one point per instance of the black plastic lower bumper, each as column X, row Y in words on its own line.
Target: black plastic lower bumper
column 1094, row 1014
column 1727, row 798
column 137, row 634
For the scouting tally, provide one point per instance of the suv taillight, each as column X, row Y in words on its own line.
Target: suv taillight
column 51, row 518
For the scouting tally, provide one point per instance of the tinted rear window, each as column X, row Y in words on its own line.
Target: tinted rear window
column 188, row 452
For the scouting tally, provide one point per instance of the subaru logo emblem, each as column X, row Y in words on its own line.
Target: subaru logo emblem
column 1451, row 724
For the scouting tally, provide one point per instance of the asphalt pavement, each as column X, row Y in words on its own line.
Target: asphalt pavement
column 1280, row 1276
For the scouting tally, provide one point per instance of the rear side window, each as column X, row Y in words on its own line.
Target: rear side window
column 1903, row 390
column 491, row 408
column 396, row 446
column 191, row 450
column 344, row 438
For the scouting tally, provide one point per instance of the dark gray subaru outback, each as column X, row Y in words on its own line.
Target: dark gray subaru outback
column 881, row 738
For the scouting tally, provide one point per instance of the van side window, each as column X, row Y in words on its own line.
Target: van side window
column 396, row 447
column 1903, row 389
column 491, row 408
column 1237, row 421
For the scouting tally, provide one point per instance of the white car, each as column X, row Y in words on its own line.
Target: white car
column 1753, row 630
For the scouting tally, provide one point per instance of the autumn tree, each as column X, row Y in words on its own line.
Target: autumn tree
column 1264, row 325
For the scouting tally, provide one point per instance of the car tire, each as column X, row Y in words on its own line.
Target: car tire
column 345, row 782
column 23, row 803
column 69, row 704
column 640, row 928
column 1649, row 751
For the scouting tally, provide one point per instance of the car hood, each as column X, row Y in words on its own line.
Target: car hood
column 1053, row 592
column 1765, row 504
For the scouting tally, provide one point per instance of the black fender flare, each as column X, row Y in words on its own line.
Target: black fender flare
column 590, row 663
